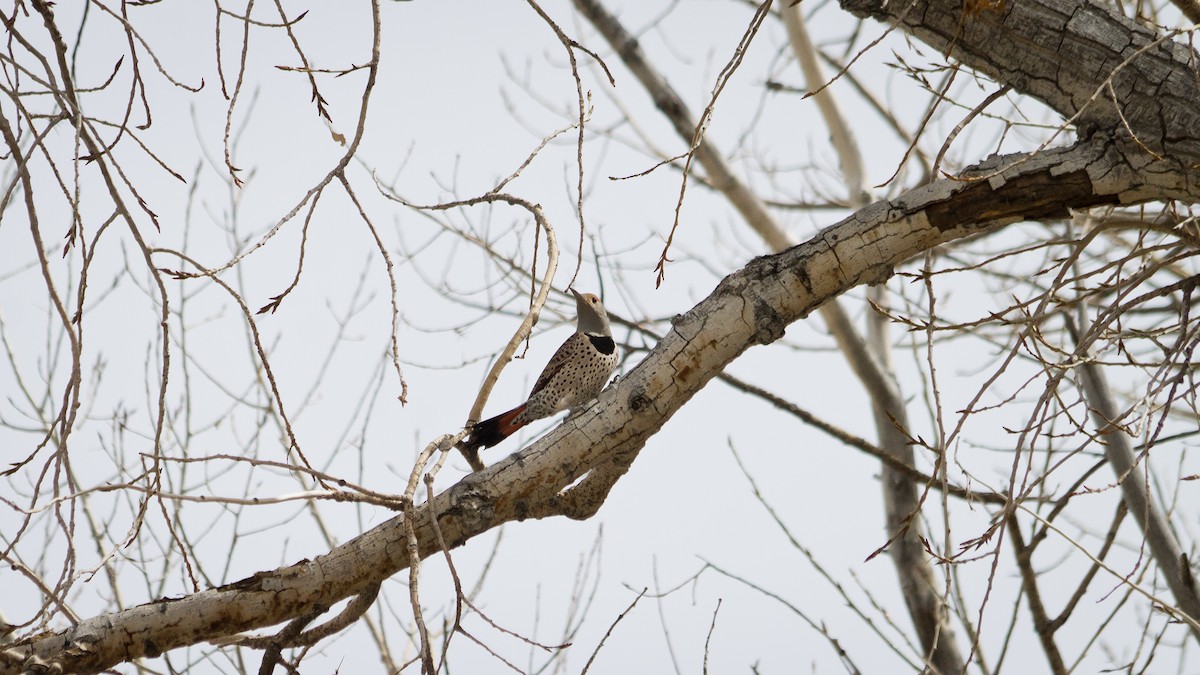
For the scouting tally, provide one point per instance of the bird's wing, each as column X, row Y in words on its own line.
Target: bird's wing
column 556, row 362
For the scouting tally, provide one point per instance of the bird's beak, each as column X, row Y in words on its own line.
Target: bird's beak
column 577, row 294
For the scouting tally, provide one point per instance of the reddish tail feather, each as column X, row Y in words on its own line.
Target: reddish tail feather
column 489, row 432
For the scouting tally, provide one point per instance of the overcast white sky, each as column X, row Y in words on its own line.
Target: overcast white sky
column 465, row 92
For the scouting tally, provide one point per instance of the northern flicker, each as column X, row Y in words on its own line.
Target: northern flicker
column 575, row 375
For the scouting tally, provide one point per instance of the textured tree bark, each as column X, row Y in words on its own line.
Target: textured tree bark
column 751, row 306
column 1100, row 70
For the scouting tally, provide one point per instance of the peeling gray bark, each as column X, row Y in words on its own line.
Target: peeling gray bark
column 751, row 306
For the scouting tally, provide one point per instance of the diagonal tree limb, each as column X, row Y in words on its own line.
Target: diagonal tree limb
column 751, row 306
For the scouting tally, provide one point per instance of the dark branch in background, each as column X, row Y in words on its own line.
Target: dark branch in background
column 1190, row 9
column 856, row 442
column 1033, row 596
column 1135, row 489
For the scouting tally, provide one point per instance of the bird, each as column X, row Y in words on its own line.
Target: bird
column 574, row 376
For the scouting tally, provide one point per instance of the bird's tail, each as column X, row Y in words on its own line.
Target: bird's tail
column 489, row 432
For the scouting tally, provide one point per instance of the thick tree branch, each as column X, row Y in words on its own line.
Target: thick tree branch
column 752, row 306
column 1100, row 70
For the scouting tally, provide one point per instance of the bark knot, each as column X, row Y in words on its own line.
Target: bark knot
column 639, row 401
column 768, row 324
column 474, row 508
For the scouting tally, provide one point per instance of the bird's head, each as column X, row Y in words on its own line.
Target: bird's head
column 592, row 318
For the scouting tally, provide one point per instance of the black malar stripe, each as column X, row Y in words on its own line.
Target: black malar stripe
column 603, row 344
